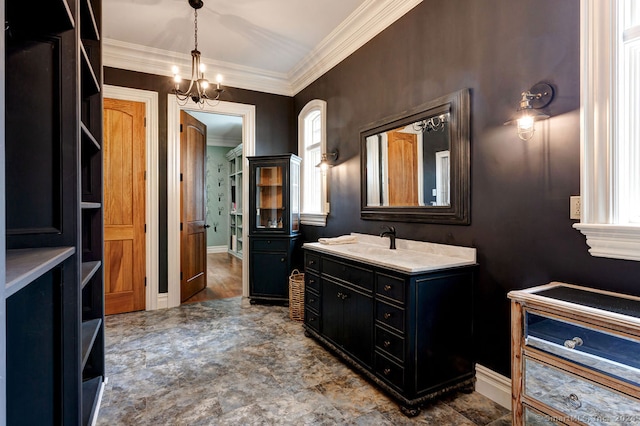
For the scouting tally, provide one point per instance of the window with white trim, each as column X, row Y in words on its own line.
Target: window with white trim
column 610, row 127
column 312, row 125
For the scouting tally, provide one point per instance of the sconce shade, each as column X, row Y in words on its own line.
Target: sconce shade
column 539, row 96
column 324, row 163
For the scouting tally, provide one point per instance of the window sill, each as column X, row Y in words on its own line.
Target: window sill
column 314, row 219
column 613, row 241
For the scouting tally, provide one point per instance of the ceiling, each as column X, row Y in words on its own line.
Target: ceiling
column 222, row 130
column 275, row 46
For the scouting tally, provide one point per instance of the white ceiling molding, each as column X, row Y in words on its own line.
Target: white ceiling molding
column 134, row 57
column 225, row 142
column 371, row 18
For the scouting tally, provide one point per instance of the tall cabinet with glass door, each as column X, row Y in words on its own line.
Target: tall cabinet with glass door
column 274, row 225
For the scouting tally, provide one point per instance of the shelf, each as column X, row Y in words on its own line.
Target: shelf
column 88, row 205
column 89, row 270
column 89, row 332
column 53, row 16
column 91, row 391
column 26, row 265
column 88, row 136
column 88, row 25
column 90, row 84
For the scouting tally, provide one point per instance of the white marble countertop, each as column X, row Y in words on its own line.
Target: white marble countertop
column 409, row 256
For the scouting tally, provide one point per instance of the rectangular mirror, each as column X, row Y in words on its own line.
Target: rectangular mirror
column 415, row 165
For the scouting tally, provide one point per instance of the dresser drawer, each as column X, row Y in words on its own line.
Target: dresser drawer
column 312, row 319
column 390, row 287
column 535, row 418
column 389, row 371
column 311, row 262
column 390, row 315
column 575, row 396
column 270, row 244
column 596, row 349
column 312, row 281
column 390, row 343
column 312, row 301
column 352, row 274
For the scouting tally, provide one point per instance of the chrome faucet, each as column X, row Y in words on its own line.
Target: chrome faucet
column 389, row 231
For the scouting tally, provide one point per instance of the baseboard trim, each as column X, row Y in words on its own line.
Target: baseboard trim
column 217, row 249
column 163, row 300
column 494, row 386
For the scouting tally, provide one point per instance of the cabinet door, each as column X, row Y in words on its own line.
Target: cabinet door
column 332, row 323
column 358, row 325
column 269, row 275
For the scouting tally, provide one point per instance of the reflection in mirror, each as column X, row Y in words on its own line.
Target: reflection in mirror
column 415, row 165
column 409, row 165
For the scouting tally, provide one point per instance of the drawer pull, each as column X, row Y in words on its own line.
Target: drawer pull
column 387, row 287
column 312, row 300
column 573, row 401
column 571, row 344
column 311, row 281
column 387, row 315
column 386, row 343
column 386, row 371
column 342, row 295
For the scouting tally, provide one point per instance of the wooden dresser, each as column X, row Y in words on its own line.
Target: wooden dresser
column 575, row 356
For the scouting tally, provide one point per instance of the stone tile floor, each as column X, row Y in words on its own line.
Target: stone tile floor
column 226, row 362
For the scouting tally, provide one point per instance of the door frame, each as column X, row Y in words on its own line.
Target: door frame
column 150, row 100
column 248, row 114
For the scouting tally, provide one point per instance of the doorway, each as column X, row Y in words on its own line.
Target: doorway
column 223, row 205
column 247, row 114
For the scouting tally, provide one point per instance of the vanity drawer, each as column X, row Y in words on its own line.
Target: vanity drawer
column 312, row 319
column 349, row 273
column 270, row 244
column 390, row 343
column 597, row 349
column 311, row 262
column 311, row 280
column 312, row 300
column 390, row 315
column 575, row 396
column 389, row 371
column 390, row 287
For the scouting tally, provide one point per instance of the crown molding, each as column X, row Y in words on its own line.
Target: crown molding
column 135, row 57
column 223, row 142
column 367, row 21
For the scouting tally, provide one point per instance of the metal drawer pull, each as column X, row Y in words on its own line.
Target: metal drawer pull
column 311, row 281
column 312, row 262
column 386, row 371
column 387, row 287
column 387, row 315
column 312, row 300
column 573, row 401
column 386, row 343
column 342, row 295
column 571, row 344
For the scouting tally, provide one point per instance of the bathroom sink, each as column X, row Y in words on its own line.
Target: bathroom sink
column 371, row 250
column 410, row 256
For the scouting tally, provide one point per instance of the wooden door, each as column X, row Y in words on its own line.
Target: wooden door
column 193, row 236
column 124, row 206
column 403, row 169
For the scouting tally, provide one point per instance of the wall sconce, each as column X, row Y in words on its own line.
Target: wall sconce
column 324, row 163
column 538, row 97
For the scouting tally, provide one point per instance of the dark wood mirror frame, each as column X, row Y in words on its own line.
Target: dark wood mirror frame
column 458, row 212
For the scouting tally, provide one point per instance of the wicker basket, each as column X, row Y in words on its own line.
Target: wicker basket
column 296, row 295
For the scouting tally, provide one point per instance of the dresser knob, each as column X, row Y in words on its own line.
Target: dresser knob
column 312, row 262
column 387, row 315
column 312, row 300
column 387, row 287
column 573, row 401
column 571, row 344
column 311, row 281
column 386, row 371
column 386, row 344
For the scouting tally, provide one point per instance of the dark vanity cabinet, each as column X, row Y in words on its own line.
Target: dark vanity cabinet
column 274, row 225
column 411, row 334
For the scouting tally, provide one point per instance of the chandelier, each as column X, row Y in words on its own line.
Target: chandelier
column 431, row 124
column 197, row 90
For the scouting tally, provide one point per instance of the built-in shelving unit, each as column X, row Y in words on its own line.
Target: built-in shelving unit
column 52, row 166
column 234, row 157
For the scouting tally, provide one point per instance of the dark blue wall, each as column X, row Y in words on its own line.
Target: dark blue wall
column 520, row 190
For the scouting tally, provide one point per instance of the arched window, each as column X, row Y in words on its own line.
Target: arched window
column 312, row 125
